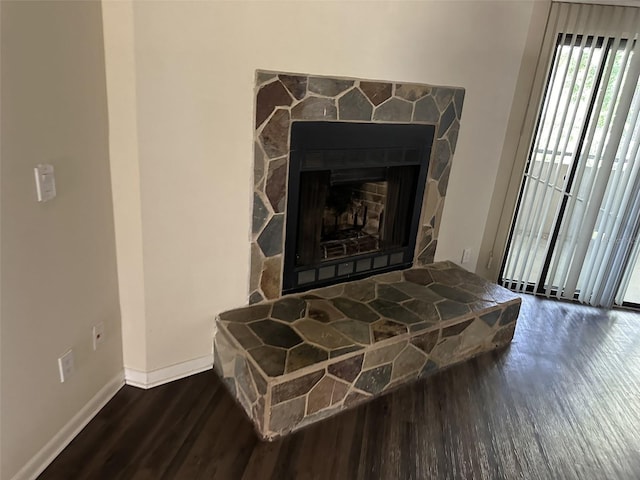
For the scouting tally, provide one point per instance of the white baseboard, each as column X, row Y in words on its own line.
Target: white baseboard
column 60, row 440
column 161, row 376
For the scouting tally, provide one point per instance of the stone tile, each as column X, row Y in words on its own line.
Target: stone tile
column 355, row 398
column 410, row 360
column 271, row 281
column 417, row 291
column 322, row 311
column 270, row 240
column 452, row 293
column 269, row 97
column 458, row 99
column 383, row 355
column 263, row 77
column 258, row 379
column 244, row 380
column 258, row 164
column 443, row 183
column 322, row 334
column 315, row 108
column 327, row 392
column 246, row 314
column 376, row 92
column 426, row 342
column 276, row 186
column 426, row 110
column 504, row 335
column 391, row 277
column 256, row 266
column 383, row 329
column 476, row 334
column 441, row 158
column 491, row 318
column 347, row 369
column 419, row 327
column 303, row 356
column 289, row 309
column 258, row 410
column 412, row 92
column 428, row 254
column 421, row 276
column 355, row 310
column 320, row 396
column 344, row 351
column 393, row 110
column 443, row 96
column 449, row 309
column 354, row 330
column 329, row 292
column 446, row 351
column 353, row 105
column 510, row 314
column 296, row 84
column 244, row 335
column 275, row 333
column 287, row 414
column 328, row 87
column 429, row 368
column 361, row 291
column 395, row 311
column 373, row 381
column 269, row 359
column 446, row 120
column 295, row 388
column 425, row 310
column 452, row 135
column 455, row 329
column 391, row 294
column 260, row 214
column 275, row 134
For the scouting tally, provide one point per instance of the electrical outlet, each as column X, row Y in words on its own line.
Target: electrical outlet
column 98, row 335
column 466, row 255
column 66, row 366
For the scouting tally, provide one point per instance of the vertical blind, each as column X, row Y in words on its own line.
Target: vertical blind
column 578, row 216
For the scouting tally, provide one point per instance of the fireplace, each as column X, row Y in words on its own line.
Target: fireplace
column 287, row 102
column 355, row 192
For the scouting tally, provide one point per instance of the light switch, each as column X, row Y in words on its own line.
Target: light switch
column 45, row 182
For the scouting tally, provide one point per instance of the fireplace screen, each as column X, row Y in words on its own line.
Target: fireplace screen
column 355, row 192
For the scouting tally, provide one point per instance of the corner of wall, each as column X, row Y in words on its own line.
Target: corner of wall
column 510, row 169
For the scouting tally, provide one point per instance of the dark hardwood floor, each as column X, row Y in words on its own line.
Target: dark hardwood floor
column 562, row 402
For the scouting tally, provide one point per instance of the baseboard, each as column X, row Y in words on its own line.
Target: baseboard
column 60, row 440
column 154, row 378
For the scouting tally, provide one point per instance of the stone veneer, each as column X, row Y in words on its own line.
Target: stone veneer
column 283, row 98
column 305, row 357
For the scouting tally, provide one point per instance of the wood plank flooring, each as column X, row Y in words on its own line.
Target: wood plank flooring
column 562, row 402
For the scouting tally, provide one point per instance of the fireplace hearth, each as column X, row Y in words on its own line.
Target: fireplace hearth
column 355, row 192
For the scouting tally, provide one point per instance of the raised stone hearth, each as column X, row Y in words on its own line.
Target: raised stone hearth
column 305, row 357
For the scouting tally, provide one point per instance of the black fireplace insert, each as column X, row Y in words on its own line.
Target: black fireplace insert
column 355, row 194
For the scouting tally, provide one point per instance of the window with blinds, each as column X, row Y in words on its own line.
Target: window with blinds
column 575, row 231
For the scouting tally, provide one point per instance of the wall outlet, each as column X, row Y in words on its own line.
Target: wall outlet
column 466, row 255
column 98, row 335
column 66, row 366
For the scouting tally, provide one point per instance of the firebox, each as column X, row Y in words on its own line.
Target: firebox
column 355, row 193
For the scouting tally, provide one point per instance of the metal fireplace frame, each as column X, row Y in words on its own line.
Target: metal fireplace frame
column 311, row 148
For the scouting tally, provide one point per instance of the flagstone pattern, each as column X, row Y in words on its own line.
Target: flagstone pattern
column 283, row 98
column 304, row 357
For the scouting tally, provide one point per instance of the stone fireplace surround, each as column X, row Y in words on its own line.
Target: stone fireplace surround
column 282, row 98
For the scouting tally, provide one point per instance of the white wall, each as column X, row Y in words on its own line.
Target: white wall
column 58, row 270
column 194, row 66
